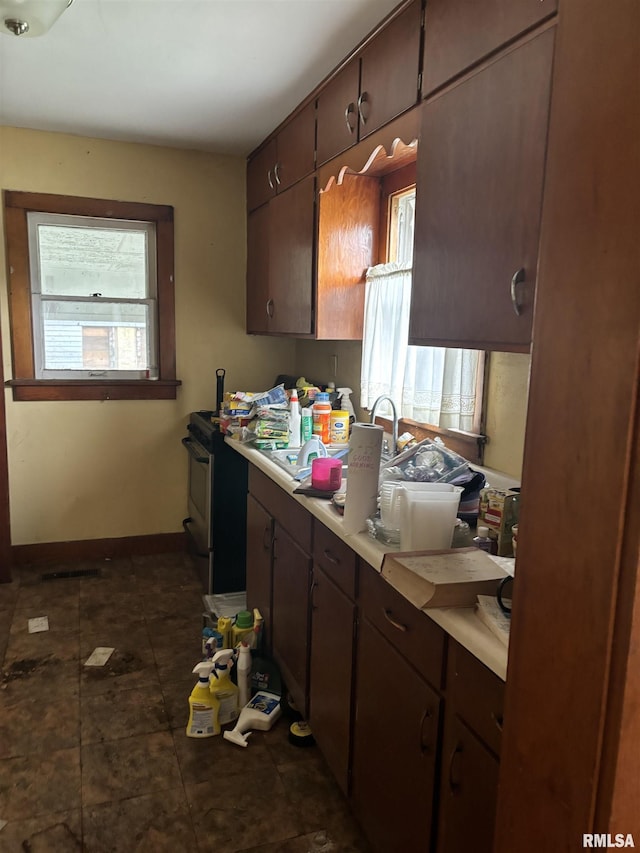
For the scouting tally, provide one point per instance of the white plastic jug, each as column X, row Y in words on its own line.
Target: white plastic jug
column 311, row 449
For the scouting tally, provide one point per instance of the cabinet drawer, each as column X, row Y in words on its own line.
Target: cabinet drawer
column 335, row 558
column 285, row 509
column 476, row 694
column 417, row 637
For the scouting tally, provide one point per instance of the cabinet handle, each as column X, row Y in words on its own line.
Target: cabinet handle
column 349, row 111
column 276, row 169
column 454, row 783
column 363, row 99
column 398, row 625
column 266, row 539
column 269, row 179
column 312, row 591
column 498, row 719
column 270, row 308
column 518, row 278
column 425, row 748
column 331, row 557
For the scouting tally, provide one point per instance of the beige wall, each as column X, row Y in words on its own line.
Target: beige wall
column 507, row 394
column 84, row 470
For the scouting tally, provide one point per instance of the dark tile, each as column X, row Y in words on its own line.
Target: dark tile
column 120, row 714
column 284, row 752
column 176, row 694
column 36, row 724
column 239, row 811
column 125, row 768
column 174, row 600
column 122, row 608
column 198, row 755
column 37, row 594
column 8, row 597
column 153, row 823
column 60, row 832
column 59, row 644
column 40, row 784
column 303, row 844
column 23, row 678
column 130, row 666
column 62, row 618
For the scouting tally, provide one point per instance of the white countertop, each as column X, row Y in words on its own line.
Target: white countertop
column 459, row 622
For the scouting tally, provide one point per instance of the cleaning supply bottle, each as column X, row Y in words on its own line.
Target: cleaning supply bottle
column 260, row 713
column 242, row 628
column 306, row 428
column 482, row 540
column 224, row 626
column 294, row 419
column 345, row 403
column 243, row 671
column 339, row 426
column 203, row 719
column 322, row 417
column 224, row 693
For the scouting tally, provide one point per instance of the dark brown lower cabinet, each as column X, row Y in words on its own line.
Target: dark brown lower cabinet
column 331, row 671
column 395, row 746
column 259, row 542
column 468, row 793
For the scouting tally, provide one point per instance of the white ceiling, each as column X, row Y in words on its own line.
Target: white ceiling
column 213, row 75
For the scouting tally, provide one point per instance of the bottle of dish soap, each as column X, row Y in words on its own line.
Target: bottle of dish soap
column 224, row 693
column 202, row 713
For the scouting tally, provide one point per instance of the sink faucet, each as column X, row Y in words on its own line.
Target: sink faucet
column 394, row 433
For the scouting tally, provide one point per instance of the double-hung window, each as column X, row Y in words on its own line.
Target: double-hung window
column 92, row 298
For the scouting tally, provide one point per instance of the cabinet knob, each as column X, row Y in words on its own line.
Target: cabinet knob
column 518, row 278
column 363, row 99
column 349, row 111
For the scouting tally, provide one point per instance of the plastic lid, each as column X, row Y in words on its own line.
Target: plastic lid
column 483, row 532
column 244, row 619
column 322, row 397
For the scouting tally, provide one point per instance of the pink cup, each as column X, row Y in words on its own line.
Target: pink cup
column 326, row 474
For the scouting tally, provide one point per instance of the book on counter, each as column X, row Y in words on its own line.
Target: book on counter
column 451, row 578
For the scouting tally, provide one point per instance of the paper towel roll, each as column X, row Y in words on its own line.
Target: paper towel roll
column 365, row 446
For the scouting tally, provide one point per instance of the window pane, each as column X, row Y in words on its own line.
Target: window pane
column 98, row 336
column 76, row 261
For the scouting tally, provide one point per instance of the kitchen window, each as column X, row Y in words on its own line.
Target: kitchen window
column 92, row 298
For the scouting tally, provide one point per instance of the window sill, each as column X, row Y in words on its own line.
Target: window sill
column 96, row 389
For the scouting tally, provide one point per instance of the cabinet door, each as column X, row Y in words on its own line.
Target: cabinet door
column 261, row 179
column 290, row 614
column 460, row 33
column 296, row 148
column 259, row 542
column 258, row 270
column 389, row 71
column 468, row 794
column 338, row 113
column 479, row 199
column 331, row 669
column 394, row 748
column 291, row 259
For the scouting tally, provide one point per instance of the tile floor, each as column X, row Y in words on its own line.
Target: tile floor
column 97, row 759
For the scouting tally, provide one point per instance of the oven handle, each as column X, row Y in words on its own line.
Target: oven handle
column 185, row 523
column 196, row 449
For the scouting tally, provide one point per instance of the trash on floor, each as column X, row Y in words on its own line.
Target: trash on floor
column 99, row 656
column 40, row 623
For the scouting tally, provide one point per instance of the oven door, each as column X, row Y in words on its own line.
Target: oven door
column 199, row 523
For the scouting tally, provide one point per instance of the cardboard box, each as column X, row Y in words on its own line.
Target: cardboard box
column 499, row 511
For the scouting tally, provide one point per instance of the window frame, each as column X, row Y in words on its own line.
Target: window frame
column 24, row 384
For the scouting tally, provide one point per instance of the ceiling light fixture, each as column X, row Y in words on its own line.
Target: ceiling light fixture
column 30, row 18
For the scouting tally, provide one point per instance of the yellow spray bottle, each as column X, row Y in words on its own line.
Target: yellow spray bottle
column 224, row 693
column 203, row 720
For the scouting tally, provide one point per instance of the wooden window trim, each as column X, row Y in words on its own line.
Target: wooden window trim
column 24, row 384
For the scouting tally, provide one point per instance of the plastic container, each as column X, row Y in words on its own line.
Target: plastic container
column 260, row 713
column 322, row 417
column 306, row 424
column 339, row 428
column 326, row 474
column 295, row 420
column 482, row 540
column 427, row 519
column 224, row 693
column 243, row 671
column 224, row 626
column 242, row 628
column 203, row 718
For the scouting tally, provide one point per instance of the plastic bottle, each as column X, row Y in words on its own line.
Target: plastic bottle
column 224, row 693
column 203, row 719
column 345, row 402
column 339, row 426
column 482, row 540
column 306, row 428
column 322, row 417
column 243, row 670
column 242, row 628
column 224, row 626
column 260, row 713
column 294, row 419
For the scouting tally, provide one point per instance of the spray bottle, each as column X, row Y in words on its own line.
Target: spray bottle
column 243, row 671
column 260, row 713
column 224, row 693
column 346, row 404
column 203, row 721
column 294, row 419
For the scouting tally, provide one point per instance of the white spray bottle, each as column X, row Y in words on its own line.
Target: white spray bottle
column 345, row 402
column 203, row 720
column 260, row 713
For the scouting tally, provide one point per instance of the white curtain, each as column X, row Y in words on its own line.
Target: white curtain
column 434, row 385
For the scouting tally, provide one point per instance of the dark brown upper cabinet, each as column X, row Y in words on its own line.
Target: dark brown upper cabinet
column 478, row 206
column 375, row 86
column 460, row 33
column 283, row 160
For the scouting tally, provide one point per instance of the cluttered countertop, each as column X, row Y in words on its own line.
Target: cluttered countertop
column 461, row 623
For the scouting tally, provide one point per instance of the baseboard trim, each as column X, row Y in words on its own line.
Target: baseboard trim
column 97, row 549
